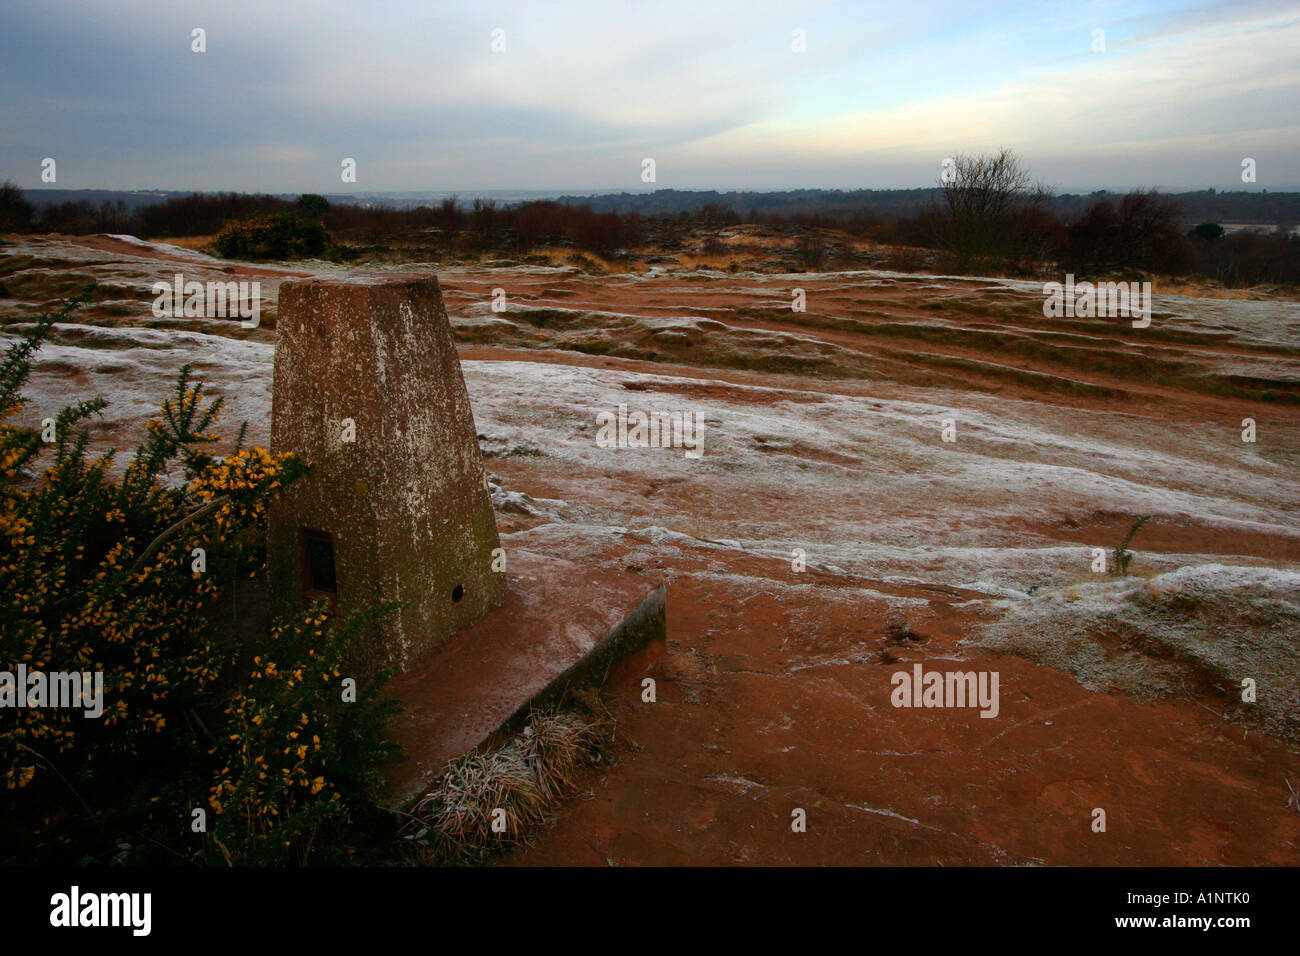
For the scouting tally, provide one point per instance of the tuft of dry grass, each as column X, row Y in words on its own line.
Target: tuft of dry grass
column 587, row 262
column 490, row 798
column 721, row 261
column 555, row 744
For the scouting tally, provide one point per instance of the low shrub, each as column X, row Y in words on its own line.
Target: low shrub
column 204, row 751
column 274, row 236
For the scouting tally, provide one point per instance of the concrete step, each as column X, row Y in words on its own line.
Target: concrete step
column 561, row 625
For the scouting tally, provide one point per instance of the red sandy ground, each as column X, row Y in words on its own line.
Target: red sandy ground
column 758, row 715
column 775, row 696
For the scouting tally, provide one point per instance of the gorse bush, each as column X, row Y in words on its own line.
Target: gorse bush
column 115, row 577
column 274, row 236
column 298, row 762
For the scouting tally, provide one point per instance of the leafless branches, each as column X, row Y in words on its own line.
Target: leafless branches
column 988, row 203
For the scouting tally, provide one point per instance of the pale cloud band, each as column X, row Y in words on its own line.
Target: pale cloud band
column 580, row 93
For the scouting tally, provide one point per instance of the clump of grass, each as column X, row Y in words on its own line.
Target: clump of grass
column 490, row 798
column 461, row 811
column 1122, row 555
column 555, row 744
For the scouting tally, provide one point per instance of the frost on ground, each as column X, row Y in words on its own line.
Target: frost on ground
column 135, row 369
column 1201, row 630
column 822, row 432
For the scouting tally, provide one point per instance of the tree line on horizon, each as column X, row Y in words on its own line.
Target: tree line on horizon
column 988, row 217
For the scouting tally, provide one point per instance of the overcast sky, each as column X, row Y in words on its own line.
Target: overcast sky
column 583, row 92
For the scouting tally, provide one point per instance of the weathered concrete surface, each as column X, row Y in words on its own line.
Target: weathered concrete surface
column 556, row 614
column 406, row 500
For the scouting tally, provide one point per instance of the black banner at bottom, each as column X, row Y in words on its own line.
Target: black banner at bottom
column 335, row 905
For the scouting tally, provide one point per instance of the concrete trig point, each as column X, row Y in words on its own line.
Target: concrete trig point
column 368, row 388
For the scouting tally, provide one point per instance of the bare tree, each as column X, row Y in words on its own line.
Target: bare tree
column 985, row 201
column 1143, row 232
column 15, row 211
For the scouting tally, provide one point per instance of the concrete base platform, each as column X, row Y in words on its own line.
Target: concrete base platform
column 558, row 621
